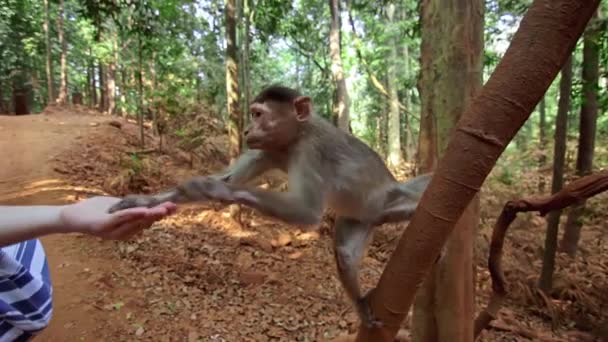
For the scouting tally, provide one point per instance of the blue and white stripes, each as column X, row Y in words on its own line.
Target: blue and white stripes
column 25, row 291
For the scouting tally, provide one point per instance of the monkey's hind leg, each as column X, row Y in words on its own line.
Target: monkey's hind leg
column 351, row 238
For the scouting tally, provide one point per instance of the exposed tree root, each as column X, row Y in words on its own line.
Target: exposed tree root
column 574, row 193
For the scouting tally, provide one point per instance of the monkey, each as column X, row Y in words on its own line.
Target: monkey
column 325, row 166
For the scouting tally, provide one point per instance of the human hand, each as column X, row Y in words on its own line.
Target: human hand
column 91, row 217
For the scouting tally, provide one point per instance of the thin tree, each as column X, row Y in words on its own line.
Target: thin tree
column 63, row 89
column 451, row 72
column 235, row 119
column 49, row 58
column 542, row 141
column 586, row 138
column 559, row 157
column 340, row 108
column 394, row 156
column 545, row 38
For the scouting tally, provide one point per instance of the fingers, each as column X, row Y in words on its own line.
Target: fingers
column 129, row 222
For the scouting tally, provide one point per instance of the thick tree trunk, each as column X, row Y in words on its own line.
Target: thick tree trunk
column 49, row 58
column 452, row 48
column 63, row 89
column 586, row 139
column 394, row 158
column 545, row 38
column 340, row 106
column 559, row 156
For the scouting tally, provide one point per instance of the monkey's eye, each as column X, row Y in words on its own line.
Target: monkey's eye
column 256, row 114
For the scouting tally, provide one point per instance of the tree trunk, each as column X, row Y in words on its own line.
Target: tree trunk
column 103, row 93
column 63, row 89
column 154, row 107
column 542, row 143
column 395, row 158
column 559, row 155
column 246, row 69
column 451, row 72
column 49, row 56
column 111, row 80
column 140, row 88
column 340, row 108
column 3, row 108
column 91, row 71
column 235, row 119
column 20, row 103
column 410, row 146
column 586, row 139
column 545, row 38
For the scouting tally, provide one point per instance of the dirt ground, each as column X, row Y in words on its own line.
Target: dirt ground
column 200, row 276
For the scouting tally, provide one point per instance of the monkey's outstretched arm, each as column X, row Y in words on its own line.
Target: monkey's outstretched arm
column 199, row 189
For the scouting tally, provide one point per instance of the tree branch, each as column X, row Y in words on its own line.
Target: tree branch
column 574, row 193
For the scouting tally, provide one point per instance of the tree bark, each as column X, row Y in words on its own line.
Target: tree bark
column 103, row 89
column 246, row 69
column 340, row 108
column 232, row 84
column 545, row 38
column 111, row 80
column 235, row 119
column 91, row 71
column 559, row 156
column 394, row 157
column 63, row 89
column 542, row 141
column 140, row 88
column 49, row 58
column 451, row 72
column 586, row 139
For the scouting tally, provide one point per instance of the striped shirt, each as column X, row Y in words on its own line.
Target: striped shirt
column 25, row 291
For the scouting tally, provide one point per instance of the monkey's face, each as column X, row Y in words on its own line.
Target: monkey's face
column 274, row 125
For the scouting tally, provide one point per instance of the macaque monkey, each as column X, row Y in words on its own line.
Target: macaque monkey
column 326, row 167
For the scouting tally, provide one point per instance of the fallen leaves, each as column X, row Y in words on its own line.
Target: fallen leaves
column 198, row 276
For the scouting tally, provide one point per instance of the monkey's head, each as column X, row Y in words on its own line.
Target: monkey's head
column 277, row 115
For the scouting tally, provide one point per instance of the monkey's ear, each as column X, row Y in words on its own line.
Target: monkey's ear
column 303, row 106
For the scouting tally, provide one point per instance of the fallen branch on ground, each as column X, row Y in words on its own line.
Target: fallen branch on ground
column 576, row 192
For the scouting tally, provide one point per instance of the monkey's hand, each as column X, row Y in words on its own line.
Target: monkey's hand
column 198, row 189
column 364, row 311
column 133, row 201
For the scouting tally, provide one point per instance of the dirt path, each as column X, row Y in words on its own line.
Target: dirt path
column 28, row 144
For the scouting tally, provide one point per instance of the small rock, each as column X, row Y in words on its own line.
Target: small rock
column 283, row 240
column 94, row 124
column 139, row 331
column 260, row 243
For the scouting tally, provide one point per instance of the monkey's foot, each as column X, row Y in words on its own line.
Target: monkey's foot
column 134, row 201
column 365, row 313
